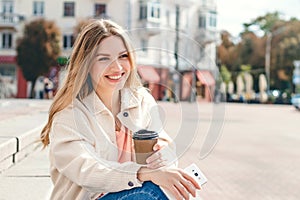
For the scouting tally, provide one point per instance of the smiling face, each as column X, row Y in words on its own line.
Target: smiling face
column 111, row 67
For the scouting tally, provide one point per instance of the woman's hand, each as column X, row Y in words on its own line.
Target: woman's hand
column 175, row 180
column 163, row 155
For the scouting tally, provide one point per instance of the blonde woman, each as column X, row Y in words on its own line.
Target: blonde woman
column 91, row 120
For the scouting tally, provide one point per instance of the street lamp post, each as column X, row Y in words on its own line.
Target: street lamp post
column 268, row 59
column 177, row 36
column 176, row 77
column 268, row 54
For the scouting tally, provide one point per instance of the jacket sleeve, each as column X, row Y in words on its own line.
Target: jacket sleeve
column 75, row 157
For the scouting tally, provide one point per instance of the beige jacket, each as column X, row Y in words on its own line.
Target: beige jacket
column 83, row 151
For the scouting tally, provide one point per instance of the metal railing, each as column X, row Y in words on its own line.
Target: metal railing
column 10, row 18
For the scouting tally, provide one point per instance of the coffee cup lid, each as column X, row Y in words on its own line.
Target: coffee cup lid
column 145, row 135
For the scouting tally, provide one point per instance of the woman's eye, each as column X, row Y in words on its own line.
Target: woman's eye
column 103, row 59
column 125, row 55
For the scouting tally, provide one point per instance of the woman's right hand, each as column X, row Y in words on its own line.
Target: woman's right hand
column 178, row 182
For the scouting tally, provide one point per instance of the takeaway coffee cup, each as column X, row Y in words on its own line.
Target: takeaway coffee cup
column 144, row 141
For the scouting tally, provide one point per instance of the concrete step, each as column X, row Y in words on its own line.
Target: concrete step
column 19, row 138
column 29, row 179
column 8, row 148
column 20, row 124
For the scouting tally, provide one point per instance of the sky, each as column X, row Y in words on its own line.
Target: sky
column 233, row 13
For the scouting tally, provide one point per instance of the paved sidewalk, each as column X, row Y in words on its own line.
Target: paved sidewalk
column 256, row 156
column 24, row 168
column 28, row 179
column 20, row 124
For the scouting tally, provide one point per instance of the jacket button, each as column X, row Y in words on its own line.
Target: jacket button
column 125, row 114
column 130, row 184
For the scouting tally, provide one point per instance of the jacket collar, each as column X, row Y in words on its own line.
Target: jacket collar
column 129, row 99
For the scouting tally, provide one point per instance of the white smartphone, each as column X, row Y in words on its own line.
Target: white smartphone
column 195, row 172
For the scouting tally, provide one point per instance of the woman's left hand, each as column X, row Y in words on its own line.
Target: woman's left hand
column 163, row 155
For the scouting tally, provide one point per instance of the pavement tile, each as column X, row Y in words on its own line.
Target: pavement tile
column 256, row 155
column 29, row 179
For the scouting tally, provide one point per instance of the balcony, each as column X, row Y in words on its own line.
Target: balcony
column 10, row 20
column 150, row 26
column 204, row 36
column 149, row 18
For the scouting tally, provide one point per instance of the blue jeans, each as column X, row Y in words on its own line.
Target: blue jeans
column 148, row 191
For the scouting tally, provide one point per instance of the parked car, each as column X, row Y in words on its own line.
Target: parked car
column 296, row 101
column 279, row 97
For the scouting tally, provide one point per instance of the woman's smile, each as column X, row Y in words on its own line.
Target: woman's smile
column 115, row 77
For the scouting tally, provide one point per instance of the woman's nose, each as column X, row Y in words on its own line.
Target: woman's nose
column 116, row 65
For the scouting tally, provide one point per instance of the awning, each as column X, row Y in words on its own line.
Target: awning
column 148, row 74
column 7, row 59
column 205, row 78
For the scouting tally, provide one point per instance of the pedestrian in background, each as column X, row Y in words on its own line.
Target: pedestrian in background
column 48, row 88
column 91, row 122
column 39, row 87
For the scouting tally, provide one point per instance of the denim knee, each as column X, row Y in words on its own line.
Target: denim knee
column 148, row 191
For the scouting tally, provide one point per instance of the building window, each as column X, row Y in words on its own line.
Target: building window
column 212, row 19
column 38, row 8
column 100, row 10
column 6, row 40
column 144, row 45
column 154, row 10
column 8, row 70
column 208, row 20
column 7, row 7
column 202, row 21
column 150, row 10
column 69, row 9
column 68, row 41
column 143, row 11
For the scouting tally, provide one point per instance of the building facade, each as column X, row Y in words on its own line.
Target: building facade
column 159, row 29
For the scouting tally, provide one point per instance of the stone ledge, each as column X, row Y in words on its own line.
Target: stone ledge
column 14, row 149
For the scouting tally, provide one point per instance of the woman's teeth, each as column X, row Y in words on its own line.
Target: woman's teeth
column 115, row 77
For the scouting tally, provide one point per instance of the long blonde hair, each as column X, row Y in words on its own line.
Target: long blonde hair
column 77, row 84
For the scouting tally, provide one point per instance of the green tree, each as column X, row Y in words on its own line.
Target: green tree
column 266, row 23
column 286, row 50
column 38, row 49
column 252, row 51
column 284, row 38
column 227, row 52
column 285, row 46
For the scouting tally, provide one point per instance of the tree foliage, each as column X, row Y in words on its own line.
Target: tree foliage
column 251, row 50
column 286, row 50
column 225, row 51
column 38, row 49
column 266, row 23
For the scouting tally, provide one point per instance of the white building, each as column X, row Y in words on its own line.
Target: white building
column 151, row 23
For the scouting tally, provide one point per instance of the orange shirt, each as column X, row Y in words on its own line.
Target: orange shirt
column 125, row 145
